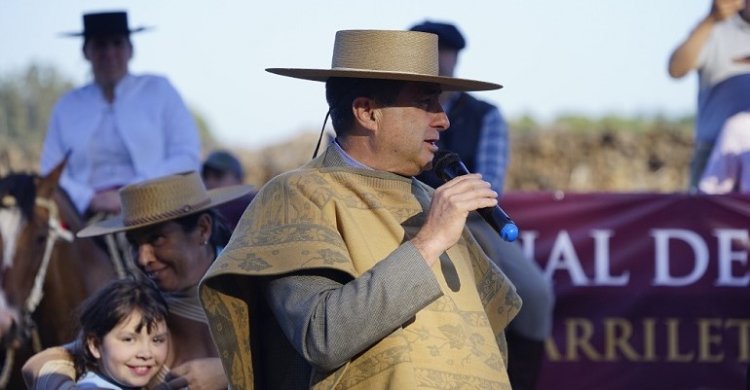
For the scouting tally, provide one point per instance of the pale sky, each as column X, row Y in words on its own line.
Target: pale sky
column 593, row 57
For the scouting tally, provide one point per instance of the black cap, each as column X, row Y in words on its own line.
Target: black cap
column 448, row 34
column 105, row 24
column 224, row 161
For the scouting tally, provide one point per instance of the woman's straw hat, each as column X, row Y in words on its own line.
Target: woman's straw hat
column 387, row 55
column 163, row 199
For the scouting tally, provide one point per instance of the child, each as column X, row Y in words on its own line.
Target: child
column 123, row 337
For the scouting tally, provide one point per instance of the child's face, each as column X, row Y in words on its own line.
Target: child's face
column 132, row 358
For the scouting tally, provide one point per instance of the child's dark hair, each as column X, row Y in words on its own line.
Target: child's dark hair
column 100, row 313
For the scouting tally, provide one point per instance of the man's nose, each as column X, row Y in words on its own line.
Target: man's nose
column 441, row 121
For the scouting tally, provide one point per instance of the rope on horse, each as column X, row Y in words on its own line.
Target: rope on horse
column 10, row 355
column 117, row 247
column 56, row 231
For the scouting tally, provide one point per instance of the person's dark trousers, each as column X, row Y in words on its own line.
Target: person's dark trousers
column 524, row 360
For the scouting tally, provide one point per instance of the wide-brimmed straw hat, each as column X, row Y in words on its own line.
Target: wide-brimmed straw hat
column 387, row 55
column 105, row 24
column 163, row 199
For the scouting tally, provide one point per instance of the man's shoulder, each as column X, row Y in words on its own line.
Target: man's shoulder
column 83, row 93
column 292, row 178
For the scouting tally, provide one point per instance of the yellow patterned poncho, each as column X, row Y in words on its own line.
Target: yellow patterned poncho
column 327, row 215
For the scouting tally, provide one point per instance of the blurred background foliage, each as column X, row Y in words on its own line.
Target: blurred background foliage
column 573, row 152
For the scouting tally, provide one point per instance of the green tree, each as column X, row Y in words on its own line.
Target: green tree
column 26, row 101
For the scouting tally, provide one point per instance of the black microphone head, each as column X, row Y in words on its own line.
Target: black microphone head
column 447, row 165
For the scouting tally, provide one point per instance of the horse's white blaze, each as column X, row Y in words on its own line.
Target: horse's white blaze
column 11, row 221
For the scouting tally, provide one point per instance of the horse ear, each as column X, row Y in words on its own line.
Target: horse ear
column 49, row 183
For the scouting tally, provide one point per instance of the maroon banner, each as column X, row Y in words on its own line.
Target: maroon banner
column 651, row 289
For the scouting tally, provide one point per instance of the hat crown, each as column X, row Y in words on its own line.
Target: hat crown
column 163, row 198
column 448, row 34
column 105, row 23
column 410, row 56
column 386, row 51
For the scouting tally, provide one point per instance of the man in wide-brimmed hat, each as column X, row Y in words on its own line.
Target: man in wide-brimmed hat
column 120, row 128
column 173, row 227
column 350, row 273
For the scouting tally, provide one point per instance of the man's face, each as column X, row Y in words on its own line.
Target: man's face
column 447, row 60
column 213, row 178
column 408, row 130
column 109, row 57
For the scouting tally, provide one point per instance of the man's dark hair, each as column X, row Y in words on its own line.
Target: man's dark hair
column 341, row 92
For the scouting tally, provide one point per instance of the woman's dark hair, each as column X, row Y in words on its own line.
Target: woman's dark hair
column 341, row 92
column 114, row 303
column 220, row 233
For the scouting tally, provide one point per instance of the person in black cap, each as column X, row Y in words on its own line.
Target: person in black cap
column 220, row 169
column 479, row 134
column 120, row 128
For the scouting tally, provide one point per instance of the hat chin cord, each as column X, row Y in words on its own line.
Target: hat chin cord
column 320, row 137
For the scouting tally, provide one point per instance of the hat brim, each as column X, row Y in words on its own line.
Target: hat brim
column 448, row 83
column 116, row 224
column 131, row 31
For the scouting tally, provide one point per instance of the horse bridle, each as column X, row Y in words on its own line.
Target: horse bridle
column 27, row 328
column 56, row 231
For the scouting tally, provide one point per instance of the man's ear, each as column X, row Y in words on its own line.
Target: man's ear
column 365, row 112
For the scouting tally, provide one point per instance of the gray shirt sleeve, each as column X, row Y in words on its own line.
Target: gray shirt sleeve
column 329, row 320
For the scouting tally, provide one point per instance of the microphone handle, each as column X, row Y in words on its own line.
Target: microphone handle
column 448, row 166
column 500, row 221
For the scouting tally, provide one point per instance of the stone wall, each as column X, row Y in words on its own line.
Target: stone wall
column 541, row 160
column 553, row 159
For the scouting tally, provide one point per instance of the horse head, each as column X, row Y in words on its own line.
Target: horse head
column 30, row 226
column 41, row 259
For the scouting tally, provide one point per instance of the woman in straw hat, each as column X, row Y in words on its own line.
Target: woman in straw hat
column 176, row 234
column 348, row 272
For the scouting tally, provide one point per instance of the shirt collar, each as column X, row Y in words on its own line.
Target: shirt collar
column 349, row 160
column 122, row 84
column 740, row 22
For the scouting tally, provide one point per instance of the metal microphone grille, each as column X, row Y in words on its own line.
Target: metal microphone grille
column 444, row 164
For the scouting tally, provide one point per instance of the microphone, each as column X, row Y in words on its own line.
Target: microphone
column 447, row 165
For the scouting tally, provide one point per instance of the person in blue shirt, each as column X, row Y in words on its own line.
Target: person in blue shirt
column 718, row 49
column 479, row 134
